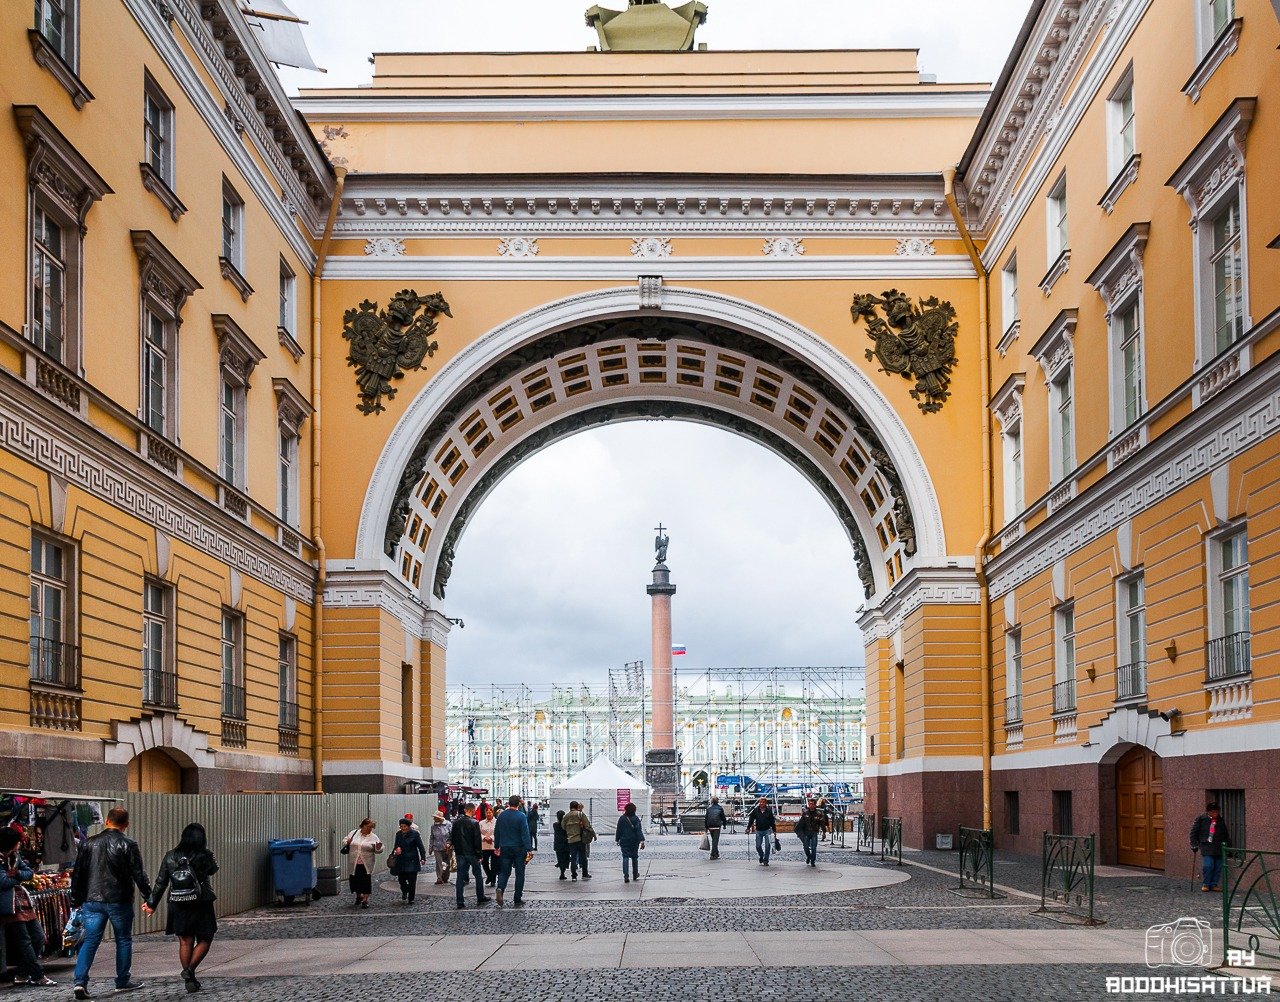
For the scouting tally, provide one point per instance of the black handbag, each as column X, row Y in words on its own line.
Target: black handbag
column 777, row 844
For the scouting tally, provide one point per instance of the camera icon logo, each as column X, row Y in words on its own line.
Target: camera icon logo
column 1186, row 942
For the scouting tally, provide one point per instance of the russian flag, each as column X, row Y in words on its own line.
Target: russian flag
column 677, row 649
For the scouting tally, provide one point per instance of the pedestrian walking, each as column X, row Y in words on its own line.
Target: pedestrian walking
column 363, row 847
column 579, row 834
column 464, row 836
column 440, row 847
column 762, row 822
column 487, row 822
column 824, row 806
column 185, row 872
column 18, row 915
column 1208, row 835
column 512, row 847
column 108, row 867
column 630, row 838
column 533, row 824
column 810, row 825
column 408, row 857
column 715, row 823
column 560, row 842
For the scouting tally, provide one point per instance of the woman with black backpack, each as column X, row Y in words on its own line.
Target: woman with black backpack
column 185, row 872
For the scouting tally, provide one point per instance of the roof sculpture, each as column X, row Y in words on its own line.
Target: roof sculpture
column 647, row 26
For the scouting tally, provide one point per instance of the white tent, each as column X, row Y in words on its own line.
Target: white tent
column 599, row 787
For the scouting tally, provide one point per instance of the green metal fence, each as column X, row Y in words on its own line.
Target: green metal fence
column 891, row 840
column 1066, row 876
column 1250, row 904
column 864, row 832
column 977, row 861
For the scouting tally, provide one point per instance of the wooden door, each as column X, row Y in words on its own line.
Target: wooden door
column 154, row 772
column 1140, row 809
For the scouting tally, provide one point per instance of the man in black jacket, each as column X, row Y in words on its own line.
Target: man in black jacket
column 107, row 869
column 1208, row 835
column 715, row 822
column 464, row 836
column 762, row 822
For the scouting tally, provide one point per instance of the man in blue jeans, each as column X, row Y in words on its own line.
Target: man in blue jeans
column 512, row 846
column 107, row 869
column 762, row 822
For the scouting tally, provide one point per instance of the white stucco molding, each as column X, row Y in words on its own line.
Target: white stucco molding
column 695, row 304
column 349, row 585
column 954, row 584
column 165, row 731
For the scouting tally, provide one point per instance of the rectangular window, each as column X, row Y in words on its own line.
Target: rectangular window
column 157, row 130
column 1009, row 291
column 1011, row 438
column 406, row 712
column 1012, row 813
column 1057, row 219
column 1129, row 335
column 233, row 701
column 288, row 510
column 1226, row 258
column 1064, row 662
column 231, row 430
column 288, row 303
column 287, row 667
column 1233, row 583
column 1064, row 448
column 1131, row 641
column 53, row 657
column 1120, row 124
column 54, row 23
column 1013, row 676
column 232, row 224
column 49, row 284
column 159, row 681
column 1221, row 14
column 156, row 356
column 1062, row 813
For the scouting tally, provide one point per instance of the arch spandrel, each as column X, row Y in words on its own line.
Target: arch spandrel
column 802, row 398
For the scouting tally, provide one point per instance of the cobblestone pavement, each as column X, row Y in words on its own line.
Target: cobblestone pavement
column 703, row 958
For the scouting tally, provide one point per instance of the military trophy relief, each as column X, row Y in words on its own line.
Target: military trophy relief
column 384, row 344
column 915, row 342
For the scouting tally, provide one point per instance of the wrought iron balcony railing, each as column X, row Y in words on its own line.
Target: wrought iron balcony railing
column 160, row 688
column 288, row 715
column 1131, row 680
column 1229, row 656
column 233, row 701
column 55, row 663
column 1064, row 696
column 1013, row 708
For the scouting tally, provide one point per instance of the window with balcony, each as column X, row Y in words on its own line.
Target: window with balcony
column 1131, row 637
column 159, row 371
column 1013, row 676
column 233, row 695
column 1064, row 660
column 292, row 410
column 231, row 431
column 1229, row 636
column 159, row 676
column 165, row 288
column 54, row 656
column 287, row 672
column 1131, row 401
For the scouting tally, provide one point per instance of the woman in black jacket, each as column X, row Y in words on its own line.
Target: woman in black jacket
column 409, row 856
column 185, row 871
column 561, row 843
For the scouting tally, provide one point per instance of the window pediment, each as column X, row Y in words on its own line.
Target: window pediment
column 164, row 280
column 1120, row 271
column 1006, row 405
column 1055, row 350
column 55, row 166
column 292, row 407
column 237, row 353
column 1218, row 159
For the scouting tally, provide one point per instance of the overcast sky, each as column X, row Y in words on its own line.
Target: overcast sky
column 550, row 574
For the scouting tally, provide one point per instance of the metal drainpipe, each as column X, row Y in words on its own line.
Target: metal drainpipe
column 979, row 553
column 317, row 603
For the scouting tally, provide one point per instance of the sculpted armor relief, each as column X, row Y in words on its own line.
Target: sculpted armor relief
column 384, row 343
column 916, row 342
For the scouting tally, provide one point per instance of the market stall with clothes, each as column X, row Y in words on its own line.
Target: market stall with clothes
column 51, row 826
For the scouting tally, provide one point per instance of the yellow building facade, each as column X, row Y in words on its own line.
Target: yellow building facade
column 236, row 513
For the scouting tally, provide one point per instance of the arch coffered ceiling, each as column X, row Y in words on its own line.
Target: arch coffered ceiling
column 598, row 358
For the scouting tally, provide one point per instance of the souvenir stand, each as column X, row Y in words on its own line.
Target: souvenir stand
column 53, row 825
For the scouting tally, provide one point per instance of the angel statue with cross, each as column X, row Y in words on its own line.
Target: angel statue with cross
column 660, row 544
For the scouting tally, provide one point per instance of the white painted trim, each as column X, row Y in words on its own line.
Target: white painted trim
column 924, row 763
column 694, row 303
column 675, row 268
column 349, row 586
column 955, row 584
column 924, row 102
column 382, row 767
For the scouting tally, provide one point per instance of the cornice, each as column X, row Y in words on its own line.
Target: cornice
column 55, row 163
column 1217, row 160
column 1121, row 269
column 630, row 269
column 236, row 350
column 1127, row 175
column 162, row 274
column 292, row 407
column 1006, row 404
column 157, row 185
column 1054, row 350
column 920, row 586
column 350, row 587
column 926, row 102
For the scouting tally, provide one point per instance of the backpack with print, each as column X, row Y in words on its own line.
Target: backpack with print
column 184, row 885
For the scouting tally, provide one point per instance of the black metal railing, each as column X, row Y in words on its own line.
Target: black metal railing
column 977, row 861
column 1013, row 708
column 288, row 715
column 1229, row 656
column 55, row 663
column 1064, row 695
column 891, row 840
column 866, row 833
column 1066, row 876
column 233, row 701
column 1250, row 900
column 160, row 688
column 1131, row 680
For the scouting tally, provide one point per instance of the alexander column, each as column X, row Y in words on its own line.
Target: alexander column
column 662, row 762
